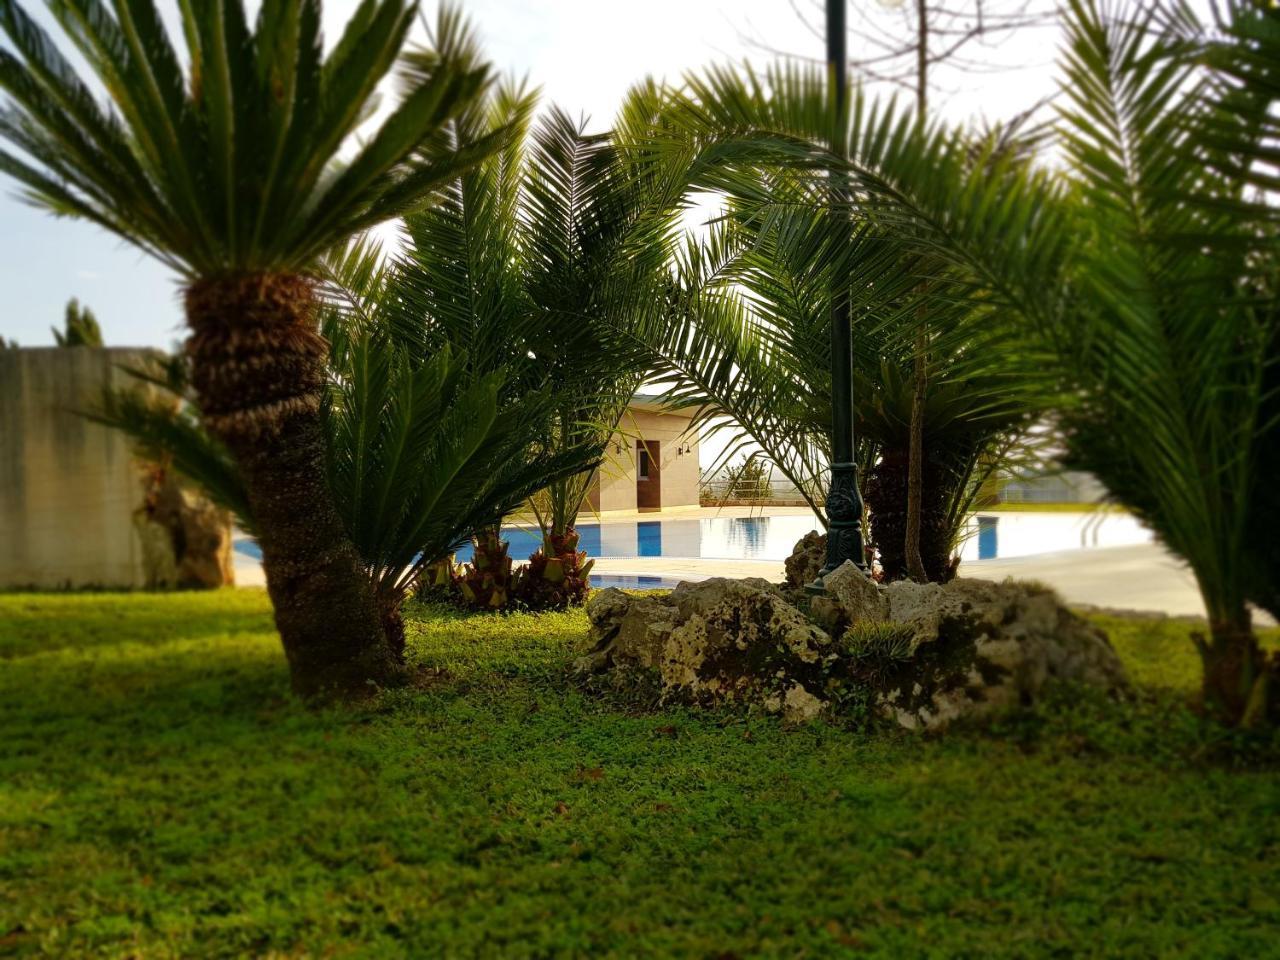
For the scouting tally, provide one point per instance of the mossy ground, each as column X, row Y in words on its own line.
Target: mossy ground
column 162, row 795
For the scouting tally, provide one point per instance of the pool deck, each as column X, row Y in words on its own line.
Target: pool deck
column 1142, row 578
column 1145, row 578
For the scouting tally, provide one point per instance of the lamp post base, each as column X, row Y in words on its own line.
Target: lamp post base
column 844, row 525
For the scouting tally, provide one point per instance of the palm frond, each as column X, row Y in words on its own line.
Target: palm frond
column 233, row 160
column 1169, row 346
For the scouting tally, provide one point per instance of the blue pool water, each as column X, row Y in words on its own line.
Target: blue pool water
column 711, row 538
column 986, row 537
column 603, row 580
column 250, row 549
column 723, row 538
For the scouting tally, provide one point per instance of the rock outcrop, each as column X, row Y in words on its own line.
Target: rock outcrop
column 851, row 597
column 979, row 647
column 718, row 641
column 807, row 558
column 923, row 655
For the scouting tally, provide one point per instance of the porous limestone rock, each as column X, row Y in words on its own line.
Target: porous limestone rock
column 717, row 641
column 979, row 647
column 857, row 595
column 923, row 655
column 629, row 630
column 807, row 559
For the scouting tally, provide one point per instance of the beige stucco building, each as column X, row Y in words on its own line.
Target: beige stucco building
column 653, row 462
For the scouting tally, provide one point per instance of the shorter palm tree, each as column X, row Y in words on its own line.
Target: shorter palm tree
column 752, row 342
column 539, row 261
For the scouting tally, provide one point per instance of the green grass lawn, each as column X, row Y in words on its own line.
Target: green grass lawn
column 161, row 795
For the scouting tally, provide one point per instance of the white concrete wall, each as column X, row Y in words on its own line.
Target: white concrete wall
column 69, row 488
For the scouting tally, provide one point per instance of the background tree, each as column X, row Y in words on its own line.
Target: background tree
column 923, row 48
column 224, row 164
column 748, row 480
column 80, row 327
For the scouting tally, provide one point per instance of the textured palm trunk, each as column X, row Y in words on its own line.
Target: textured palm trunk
column 886, row 495
column 486, row 583
column 1235, row 684
column 258, row 366
column 914, row 554
column 558, row 574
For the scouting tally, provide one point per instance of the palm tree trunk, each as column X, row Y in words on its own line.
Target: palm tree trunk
column 258, row 366
column 886, row 493
column 1234, row 685
column 915, row 477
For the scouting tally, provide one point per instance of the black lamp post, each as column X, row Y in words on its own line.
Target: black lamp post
column 844, row 502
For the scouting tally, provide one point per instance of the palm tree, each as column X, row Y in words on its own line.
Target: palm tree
column 1177, row 339
column 1245, row 132
column 226, row 168
column 1149, row 277
column 752, row 341
column 539, row 261
column 594, row 238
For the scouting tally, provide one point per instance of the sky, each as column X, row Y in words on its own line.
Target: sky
column 584, row 54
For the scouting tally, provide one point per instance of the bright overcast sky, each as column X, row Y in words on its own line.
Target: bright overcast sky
column 583, row 53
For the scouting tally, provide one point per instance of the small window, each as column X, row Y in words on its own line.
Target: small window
column 644, row 464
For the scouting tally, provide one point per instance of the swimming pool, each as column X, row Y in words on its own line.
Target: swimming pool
column 988, row 535
column 602, row 580
column 707, row 538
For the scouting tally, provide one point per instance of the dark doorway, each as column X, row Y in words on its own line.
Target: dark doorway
column 648, row 475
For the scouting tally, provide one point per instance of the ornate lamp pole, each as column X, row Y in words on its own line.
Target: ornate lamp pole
column 844, row 502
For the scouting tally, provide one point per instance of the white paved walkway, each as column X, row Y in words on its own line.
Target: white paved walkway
column 1142, row 577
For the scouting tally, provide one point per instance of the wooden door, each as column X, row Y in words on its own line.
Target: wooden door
column 648, row 475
